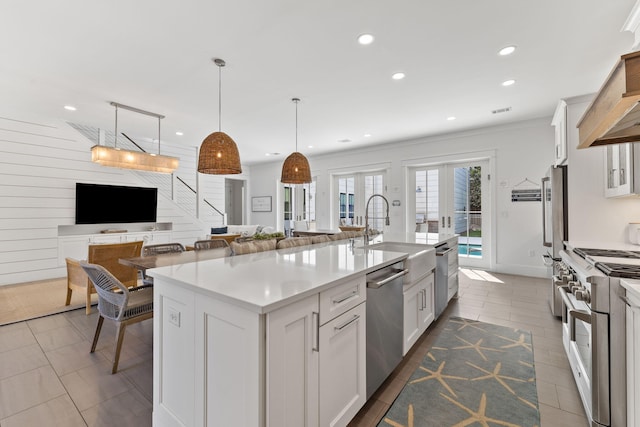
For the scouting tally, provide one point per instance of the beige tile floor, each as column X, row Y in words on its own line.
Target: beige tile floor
column 48, row 377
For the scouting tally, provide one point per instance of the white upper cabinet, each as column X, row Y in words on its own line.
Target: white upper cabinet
column 620, row 162
column 559, row 122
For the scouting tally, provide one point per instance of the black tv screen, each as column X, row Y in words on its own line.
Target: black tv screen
column 104, row 204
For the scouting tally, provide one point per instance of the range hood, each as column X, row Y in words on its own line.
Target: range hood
column 614, row 115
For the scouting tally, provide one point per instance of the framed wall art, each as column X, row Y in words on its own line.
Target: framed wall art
column 261, row 204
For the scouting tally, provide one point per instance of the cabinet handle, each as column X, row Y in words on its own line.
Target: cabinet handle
column 424, row 299
column 421, row 300
column 628, row 302
column 347, row 323
column 343, row 299
column 442, row 222
column 315, row 318
column 449, row 222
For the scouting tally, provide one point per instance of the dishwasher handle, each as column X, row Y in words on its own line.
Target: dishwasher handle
column 444, row 252
column 380, row 283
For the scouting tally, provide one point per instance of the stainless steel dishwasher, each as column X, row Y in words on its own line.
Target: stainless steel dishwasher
column 441, row 290
column 384, row 323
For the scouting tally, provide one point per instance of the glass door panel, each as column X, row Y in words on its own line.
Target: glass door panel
column 352, row 194
column 467, row 209
column 427, row 202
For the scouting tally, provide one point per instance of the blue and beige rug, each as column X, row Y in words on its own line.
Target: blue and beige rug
column 476, row 374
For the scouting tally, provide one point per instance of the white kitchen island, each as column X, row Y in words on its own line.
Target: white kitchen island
column 236, row 339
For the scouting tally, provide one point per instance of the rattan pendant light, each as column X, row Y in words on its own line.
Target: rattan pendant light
column 218, row 152
column 295, row 169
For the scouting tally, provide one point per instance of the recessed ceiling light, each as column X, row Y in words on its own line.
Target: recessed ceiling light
column 508, row 50
column 365, row 39
column 367, row 135
column 398, row 76
column 451, row 118
column 344, row 140
column 508, row 82
column 70, row 108
column 271, row 154
column 310, row 146
column 179, row 133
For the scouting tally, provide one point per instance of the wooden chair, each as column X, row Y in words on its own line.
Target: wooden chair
column 106, row 255
column 119, row 303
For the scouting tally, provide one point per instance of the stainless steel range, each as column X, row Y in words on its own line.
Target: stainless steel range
column 593, row 323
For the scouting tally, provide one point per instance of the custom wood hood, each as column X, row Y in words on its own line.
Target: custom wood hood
column 614, row 115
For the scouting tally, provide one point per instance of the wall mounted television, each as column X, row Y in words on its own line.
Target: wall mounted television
column 106, row 204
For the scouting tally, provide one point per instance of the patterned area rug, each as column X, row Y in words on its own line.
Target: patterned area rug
column 476, row 374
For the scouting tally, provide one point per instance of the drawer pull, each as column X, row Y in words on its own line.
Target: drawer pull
column 343, row 299
column 347, row 323
column 315, row 318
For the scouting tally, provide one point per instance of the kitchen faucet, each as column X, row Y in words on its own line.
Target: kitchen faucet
column 366, row 216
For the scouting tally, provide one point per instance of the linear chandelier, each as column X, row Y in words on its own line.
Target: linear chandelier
column 127, row 159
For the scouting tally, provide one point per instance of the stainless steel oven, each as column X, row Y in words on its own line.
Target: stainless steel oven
column 593, row 331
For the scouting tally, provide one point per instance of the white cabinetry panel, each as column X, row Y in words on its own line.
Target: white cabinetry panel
column 342, row 367
column 292, row 365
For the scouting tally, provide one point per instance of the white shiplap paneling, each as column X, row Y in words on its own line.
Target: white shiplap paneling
column 39, row 166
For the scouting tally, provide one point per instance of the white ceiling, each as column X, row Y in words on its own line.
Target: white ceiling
column 156, row 55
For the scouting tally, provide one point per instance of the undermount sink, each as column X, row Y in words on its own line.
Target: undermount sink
column 420, row 261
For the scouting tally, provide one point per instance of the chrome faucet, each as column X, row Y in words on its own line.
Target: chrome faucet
column 366, row 216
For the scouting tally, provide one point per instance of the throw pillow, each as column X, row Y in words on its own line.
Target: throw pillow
column 219, row 230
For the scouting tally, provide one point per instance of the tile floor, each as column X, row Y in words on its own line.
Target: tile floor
column 48, row 377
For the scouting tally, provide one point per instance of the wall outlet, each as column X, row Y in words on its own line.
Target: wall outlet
column 174, row 316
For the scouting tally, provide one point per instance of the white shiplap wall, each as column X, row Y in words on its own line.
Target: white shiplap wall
column 40, row 162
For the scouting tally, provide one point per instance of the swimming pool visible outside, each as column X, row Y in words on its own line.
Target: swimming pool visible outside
column 470, row 250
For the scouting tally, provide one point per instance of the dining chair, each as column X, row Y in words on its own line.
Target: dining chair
column 108, row 256
column 210, row 244
column 118, row 303
column 162, row 248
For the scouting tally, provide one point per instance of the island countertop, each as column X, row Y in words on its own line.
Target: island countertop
column 265, row 281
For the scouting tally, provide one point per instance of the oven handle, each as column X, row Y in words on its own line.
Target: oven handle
column 573, row 313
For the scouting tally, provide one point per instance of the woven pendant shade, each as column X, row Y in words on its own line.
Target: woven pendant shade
column 219, row 155
column 295, row 169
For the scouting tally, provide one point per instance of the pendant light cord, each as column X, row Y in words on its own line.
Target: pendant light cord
column 219, row 97
column 296, row 100
column 115, row 140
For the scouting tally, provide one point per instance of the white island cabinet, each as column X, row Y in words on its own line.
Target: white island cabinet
column 632, row 288
column 418, row 311
column 269, row 339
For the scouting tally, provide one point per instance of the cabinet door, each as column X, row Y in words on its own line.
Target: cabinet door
column 560, row 124
column 107, row 238
column 413, row 307
column 633, row 363
column 618, row 170
column 428, row 312
column 292, row 365
column 342, row 367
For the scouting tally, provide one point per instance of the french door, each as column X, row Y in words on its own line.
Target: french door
column 299, row 204
column 454, row 198
column 351, row 195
